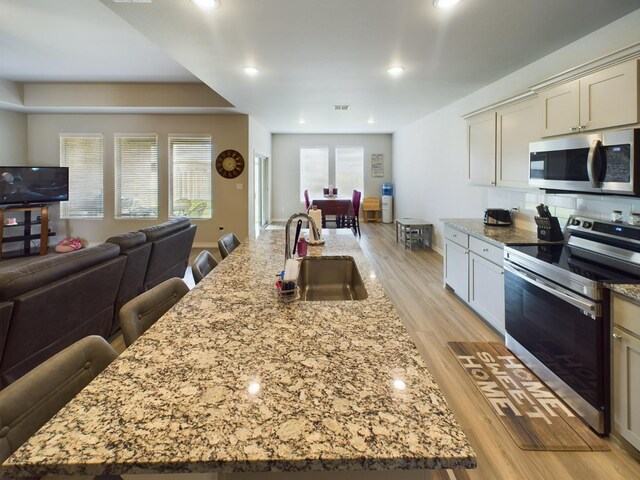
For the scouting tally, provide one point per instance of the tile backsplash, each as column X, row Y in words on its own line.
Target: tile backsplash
column 560, row 205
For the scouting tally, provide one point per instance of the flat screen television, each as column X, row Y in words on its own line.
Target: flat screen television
column 24, row 185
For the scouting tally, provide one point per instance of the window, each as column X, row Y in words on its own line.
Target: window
column 136, row 168
column 190, row 171
column 349, row 170
column 314, row 171
column 83, row 154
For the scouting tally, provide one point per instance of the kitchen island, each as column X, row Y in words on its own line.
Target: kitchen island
column 234, row 380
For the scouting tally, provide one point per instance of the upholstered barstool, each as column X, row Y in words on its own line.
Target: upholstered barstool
column 30, row 402
column 202, row 265
column 228, row 244
column 137, row 315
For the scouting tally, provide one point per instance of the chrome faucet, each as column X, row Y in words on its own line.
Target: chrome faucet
column 287, row 244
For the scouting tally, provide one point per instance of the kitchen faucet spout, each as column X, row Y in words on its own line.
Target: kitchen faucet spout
column 287, row 244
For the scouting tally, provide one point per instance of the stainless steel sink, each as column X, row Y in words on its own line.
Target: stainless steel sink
column 330, row 278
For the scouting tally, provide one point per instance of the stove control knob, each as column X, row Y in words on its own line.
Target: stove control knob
column 587, row 224
column 575, row 222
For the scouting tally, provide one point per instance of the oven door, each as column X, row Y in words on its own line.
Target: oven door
column 563, row 338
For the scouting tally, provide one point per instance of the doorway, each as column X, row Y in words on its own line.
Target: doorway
column 261, row 192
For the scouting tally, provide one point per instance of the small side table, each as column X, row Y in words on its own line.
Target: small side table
column 410, row 230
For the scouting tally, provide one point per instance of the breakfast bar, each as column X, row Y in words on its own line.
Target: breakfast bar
column 233, row 380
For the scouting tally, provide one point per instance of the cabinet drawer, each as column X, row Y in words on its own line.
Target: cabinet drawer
column 456, row 236
column 490, row 252
column 626, row 313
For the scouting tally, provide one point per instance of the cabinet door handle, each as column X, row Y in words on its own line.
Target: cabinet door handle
column 574, row 129
column 582, row 127
column 616, row 336
column 485, row 249
column 492, row 183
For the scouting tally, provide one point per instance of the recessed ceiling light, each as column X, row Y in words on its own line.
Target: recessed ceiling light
column 371, row 121
column 250, row 70
column 395, row 71
column 301, row 122
column 445, row 3
column 207, row 4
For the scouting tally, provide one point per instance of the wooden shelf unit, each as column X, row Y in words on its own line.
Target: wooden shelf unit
column 27, row 236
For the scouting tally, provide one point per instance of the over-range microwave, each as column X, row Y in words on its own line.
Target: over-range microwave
column 607, row 162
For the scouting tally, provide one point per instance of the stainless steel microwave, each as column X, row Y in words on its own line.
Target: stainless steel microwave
column 596, row 163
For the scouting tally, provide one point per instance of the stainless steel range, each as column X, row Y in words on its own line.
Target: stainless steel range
column 557, row 310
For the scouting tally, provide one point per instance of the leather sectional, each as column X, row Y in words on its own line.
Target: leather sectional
column 47, row 303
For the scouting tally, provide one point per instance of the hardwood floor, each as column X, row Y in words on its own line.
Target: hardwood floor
column 434, row 316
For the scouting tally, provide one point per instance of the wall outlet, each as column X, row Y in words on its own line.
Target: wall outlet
column 238, row 186
column 220, row 227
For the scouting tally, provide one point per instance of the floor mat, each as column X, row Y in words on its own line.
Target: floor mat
column 533, row 415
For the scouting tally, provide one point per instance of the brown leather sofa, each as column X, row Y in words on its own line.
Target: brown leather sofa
column 47, row 303
column 56, row 301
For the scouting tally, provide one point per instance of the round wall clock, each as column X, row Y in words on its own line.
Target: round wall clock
column 230, row 164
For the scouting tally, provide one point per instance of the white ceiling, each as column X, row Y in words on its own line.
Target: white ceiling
column 312, row 54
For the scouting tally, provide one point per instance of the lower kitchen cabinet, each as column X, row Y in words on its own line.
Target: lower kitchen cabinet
column 473, row 270
column 626, row 369
column 456, row 269
column 486, row 290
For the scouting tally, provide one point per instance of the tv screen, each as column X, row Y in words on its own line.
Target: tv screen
column 20, row 185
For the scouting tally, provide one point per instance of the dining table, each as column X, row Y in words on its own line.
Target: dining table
column 338, row 208
column 234, row 383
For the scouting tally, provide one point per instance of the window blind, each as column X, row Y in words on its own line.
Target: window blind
column 314, row 171
column 349, row 170
column 83, row 154
column 136, row 169
column 190, row 171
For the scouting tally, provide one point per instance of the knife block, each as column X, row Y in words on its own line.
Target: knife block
column 549, row 229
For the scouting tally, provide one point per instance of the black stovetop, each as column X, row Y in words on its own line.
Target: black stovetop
column 573, row 259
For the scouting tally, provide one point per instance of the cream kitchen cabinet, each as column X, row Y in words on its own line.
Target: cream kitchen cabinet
column 456, row 262
column 481, row 144
column 626, row 369
column 516, row 126
column 473, row 270
column 603, row 99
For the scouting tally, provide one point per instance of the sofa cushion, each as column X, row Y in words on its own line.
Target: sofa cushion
column 127, row 240
column 15, row 280
column 167, row 228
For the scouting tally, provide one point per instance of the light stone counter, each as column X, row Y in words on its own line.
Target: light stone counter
column 179, row 399
column 499, row 236
column 631, row 291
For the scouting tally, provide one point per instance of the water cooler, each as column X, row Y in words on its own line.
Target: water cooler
column 387, row 203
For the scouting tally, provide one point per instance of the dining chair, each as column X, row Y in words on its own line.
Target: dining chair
column 202, row 265
column 307, row 202
column 227, row 244
column 137, row 315
column 32, row 400
column 354, row 222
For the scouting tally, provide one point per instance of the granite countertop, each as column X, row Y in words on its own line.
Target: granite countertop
column 631, row 291
column 330, row 375
column 499, row 236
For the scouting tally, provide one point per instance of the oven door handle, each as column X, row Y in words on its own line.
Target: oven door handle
column 589, row 308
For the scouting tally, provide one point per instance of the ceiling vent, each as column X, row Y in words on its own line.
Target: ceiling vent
column 341, row 108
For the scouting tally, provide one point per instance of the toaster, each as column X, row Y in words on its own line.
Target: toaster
column 497, row 217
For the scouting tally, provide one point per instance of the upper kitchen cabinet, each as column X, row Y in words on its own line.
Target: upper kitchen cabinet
column 517, row 125
column 481, row 136
column 604, row 99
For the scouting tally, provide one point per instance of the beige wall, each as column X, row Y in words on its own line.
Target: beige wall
column 286, row 165
column 13, row 138
column 230, row 196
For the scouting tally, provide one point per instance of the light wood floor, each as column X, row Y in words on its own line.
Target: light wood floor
column 434, row 316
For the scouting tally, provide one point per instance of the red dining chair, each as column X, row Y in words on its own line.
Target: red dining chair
column 307, row 202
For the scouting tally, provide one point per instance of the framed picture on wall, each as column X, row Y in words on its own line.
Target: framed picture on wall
column 377, row 165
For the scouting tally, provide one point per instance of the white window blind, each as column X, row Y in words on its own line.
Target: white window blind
column 190, row 171
column 83, row 154
column 314, row 171
column 349, row 170
column 136, row 168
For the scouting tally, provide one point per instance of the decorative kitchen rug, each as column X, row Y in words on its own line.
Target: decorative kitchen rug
column 533, row 415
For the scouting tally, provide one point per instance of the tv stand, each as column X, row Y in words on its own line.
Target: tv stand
column 27, row 236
